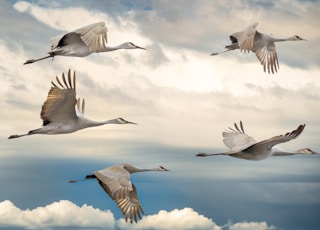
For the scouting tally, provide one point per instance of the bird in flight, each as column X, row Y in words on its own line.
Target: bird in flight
column 62, row 113
column 261, row 44
column 245, row 147
column 115, row 181
column 83, row 42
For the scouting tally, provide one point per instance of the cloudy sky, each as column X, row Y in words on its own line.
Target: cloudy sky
column 182, row 99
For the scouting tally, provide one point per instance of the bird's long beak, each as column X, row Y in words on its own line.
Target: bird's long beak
column 139, row 47
column 313, row 152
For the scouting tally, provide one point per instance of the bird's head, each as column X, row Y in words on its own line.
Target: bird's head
column 161, row 168
column 298, row 38
column 123, row 121
column 307, row 151
column 130, row 45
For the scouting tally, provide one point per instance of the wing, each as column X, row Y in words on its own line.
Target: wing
column 61, row 101
column 246, row 38
column 236, row 139
column 269, row 143
column 268, row 57
column 117, row 180
column 94, row 36
column 130, row 205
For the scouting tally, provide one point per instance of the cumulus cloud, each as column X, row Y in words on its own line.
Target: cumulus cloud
column 58, row 214
column 250, row 226
column 185, row 218
column 67, row 214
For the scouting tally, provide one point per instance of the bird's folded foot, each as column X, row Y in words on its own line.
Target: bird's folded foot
column 201, row 154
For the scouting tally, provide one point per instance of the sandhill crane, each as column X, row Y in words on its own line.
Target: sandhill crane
column 259, row 43
column 59, row 114
column 244, row 146
column 115, row 181
column 83, row 42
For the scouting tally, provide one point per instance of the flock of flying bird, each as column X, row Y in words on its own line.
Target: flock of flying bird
column 63, row 113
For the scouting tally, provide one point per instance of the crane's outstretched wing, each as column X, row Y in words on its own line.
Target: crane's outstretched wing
column 94, row 36
column 246, row 38
column 130, row 205
column 61, row 101
column 269, row 143
column 236, row 139
column 268, row 57
column 115, row 181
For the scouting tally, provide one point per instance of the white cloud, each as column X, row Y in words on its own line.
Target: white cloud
column 58, row 214
column 250, row 226
column 71, row 18
column 55, row 17
column 67, row 214
column 185, row 218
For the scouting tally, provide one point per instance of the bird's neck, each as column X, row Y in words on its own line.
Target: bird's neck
column 145, row 170
column 283, row 39
column 90, row 123
column 281, row 152
column 112, row 48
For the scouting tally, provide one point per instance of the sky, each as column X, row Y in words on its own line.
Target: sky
column 182, row 100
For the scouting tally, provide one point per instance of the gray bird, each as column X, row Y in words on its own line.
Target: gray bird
column 83, row 42
column 115, row 181
column 245, row 147
column 261, row 44
column 62, row 113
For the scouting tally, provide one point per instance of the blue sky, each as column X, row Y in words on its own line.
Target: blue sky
column 181, row 98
